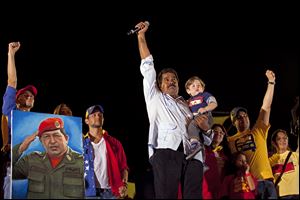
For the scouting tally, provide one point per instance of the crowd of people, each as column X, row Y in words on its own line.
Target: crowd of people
column 191, row 157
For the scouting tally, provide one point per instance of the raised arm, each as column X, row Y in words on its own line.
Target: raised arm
column 13, row 47
column 143, row 47
column 265, row 110
column 295, row 118
column 27, row 141
column 294, row 111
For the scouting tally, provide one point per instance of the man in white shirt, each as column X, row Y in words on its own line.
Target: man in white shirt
column 169, row 117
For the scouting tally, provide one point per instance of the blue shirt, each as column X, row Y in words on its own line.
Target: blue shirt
column 9, row 104
column 200, row 100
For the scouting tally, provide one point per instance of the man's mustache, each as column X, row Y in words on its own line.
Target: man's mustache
column 171, row 85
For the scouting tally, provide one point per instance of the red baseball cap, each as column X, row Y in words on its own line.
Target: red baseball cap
column 30, row 88
column 50, row 124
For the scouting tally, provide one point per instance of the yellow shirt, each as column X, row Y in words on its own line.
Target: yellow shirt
column 253, row 143
column 289, row 184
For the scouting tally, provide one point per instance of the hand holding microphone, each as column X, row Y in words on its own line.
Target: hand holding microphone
column 138, row 27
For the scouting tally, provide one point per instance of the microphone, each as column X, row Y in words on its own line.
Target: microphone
column 133, row 31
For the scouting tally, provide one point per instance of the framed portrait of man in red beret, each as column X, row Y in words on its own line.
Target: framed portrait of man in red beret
column 46, row 156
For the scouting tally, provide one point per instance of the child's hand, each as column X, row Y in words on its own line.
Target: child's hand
column 247, row 168
column 202, row 110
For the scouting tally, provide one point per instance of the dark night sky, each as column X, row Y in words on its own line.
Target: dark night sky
column 82, row 56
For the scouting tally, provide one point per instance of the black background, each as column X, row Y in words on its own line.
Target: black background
column 80, row 54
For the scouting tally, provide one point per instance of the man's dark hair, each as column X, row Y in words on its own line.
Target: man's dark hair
column 164, row 71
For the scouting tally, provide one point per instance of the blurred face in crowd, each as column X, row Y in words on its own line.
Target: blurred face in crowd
column 95, row 120
column 242, row 121
column 218, row 135
column 282, row 141
column 65, row 110
column 241, row 161
column 195, row 88
column 25, row 100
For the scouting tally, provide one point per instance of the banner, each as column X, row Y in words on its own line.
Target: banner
column 24, row 125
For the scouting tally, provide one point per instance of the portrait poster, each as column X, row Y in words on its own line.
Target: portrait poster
column 25, row 124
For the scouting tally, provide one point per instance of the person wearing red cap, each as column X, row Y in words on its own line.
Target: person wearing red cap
column 56, row 173
column 105, row 163
column 22, row 99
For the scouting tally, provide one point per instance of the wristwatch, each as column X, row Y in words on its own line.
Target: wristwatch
column 208, row 132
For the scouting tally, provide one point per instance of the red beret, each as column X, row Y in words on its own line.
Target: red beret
column 30, row 88
column 50, row 124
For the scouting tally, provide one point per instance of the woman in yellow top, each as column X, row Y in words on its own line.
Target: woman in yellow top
column 288, row 187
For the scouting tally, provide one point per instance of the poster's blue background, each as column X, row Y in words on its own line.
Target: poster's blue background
column 25, row 124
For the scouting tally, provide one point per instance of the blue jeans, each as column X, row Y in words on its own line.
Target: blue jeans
column 103, row 194
column 266, row 190
column 7, row 184
column 290, row 197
